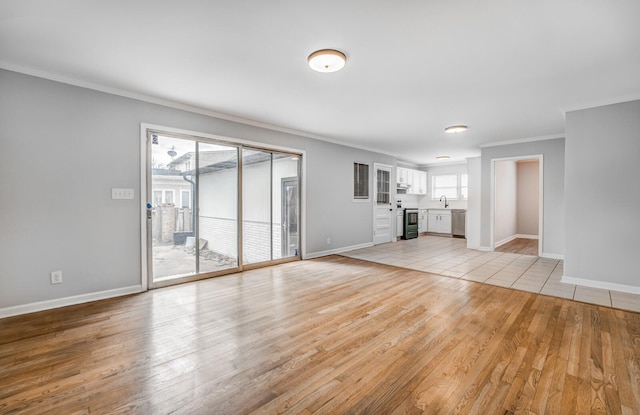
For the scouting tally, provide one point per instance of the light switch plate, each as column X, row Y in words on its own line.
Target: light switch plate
column 121, row 193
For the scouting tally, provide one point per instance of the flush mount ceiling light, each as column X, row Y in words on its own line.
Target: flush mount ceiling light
column 327, row 60
column 442, row 157
column 454, row 129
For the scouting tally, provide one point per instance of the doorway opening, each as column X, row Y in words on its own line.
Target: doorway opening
column 517, row 205
column 382, row 205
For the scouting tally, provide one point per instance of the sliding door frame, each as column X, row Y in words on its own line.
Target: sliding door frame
column 146, row 132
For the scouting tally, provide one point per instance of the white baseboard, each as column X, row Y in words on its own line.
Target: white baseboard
column 66, row 301
column 603, row 285
column 552, row 256
column 504, row 241
column 516, row 236
column 485, row 249
column 337, row 250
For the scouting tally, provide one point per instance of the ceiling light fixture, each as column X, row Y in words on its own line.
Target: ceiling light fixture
column 442, row 157
column 327, row 60
column 454, row 129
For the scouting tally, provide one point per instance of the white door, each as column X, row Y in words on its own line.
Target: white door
column 382, row 205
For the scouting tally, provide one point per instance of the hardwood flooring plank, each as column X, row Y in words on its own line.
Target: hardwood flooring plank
column 327, row 336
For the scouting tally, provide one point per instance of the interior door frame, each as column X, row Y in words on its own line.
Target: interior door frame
column 540, row 158
column 374, row 200
column 284, row 209
column 146, row 129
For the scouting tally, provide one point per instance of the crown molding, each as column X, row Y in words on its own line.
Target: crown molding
column 601, row 103
column 522, row 140
column 177, row 105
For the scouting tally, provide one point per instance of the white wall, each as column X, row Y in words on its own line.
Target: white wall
column 474, row 168
column 527, row 195
column 505, row 202
column 603, row 196
column 59, row 215
column 553, row 188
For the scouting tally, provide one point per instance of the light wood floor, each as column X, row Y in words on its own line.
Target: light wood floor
column 328, row 336
column 520, row 246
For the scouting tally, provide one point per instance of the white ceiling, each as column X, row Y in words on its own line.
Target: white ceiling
column 507, row 68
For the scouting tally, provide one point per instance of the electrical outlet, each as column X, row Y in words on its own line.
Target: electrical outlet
column 329, row 241
column 56, row 277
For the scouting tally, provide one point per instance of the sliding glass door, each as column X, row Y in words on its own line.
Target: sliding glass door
column 270, row 205
column 204, row 220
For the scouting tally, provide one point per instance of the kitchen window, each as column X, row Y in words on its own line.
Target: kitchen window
column 453, row 186
column 360, row 181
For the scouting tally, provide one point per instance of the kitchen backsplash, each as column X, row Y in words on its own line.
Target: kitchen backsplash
column 425, row 202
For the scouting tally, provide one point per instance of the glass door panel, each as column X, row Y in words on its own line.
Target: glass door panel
column 172, row 230
column 193, row 214
column 218, row 206
column 256, row 206
column 285, row 205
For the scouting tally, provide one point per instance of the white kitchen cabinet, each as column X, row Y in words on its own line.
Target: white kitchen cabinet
column 399, row 223
column 402, row 175
column 422, row 220
column 416, row 180
column 422, row 182
column 411, row 180
column 439, row 221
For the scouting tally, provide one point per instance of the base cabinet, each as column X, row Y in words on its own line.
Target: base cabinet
column 439, row 222
column 399, row 224
column 422, row 221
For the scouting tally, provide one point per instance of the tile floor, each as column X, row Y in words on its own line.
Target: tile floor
column 450, row 257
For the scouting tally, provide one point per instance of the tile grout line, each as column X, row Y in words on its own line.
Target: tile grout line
column 549, row 276
column 441, row 250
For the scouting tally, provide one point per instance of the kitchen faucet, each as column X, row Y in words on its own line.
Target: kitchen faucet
column 446, row 205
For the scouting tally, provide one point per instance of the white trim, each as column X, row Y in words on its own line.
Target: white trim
column 374, row 198
column 303, row 206
column 485, row 249
column 177, row 105
column 552, row 255
column 67, row 301
column 406, row 164
column 145, row 127
column 232, row 140
column 337, row 250
column 446, row 163
column 522, row 236
column 540, row 159
column 144, row 281
column 600, row 103
column 522, row 140
column 505, row 241
column 603, row 285
column 369, row 186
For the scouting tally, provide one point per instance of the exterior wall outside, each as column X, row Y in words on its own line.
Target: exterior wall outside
column 221, row 235
column 171, row 183
column 218, row 221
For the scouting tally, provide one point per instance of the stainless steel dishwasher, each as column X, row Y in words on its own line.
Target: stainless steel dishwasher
column 458, row 217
